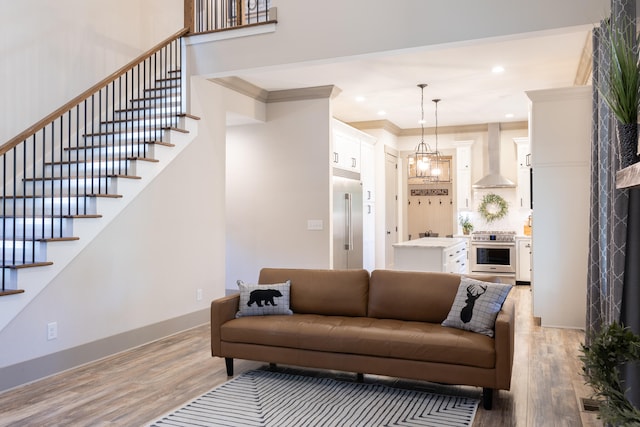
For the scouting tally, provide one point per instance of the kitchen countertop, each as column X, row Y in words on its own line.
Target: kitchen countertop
column 431, row 242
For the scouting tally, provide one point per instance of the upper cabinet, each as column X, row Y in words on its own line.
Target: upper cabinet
column 523, row 191
column 463, row 175
column 346, row 148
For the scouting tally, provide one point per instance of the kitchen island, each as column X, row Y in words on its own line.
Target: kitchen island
column 444, row 254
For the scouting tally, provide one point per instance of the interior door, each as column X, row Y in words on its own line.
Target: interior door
column 391, row 207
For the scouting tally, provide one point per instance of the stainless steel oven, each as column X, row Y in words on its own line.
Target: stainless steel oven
column 493, row 252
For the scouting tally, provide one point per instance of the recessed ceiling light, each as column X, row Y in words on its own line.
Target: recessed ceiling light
column 509, row 115
column 382, row 113
column 360, row 98
column 497, row 69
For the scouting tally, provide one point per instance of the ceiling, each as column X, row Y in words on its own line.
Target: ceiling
column 461, row 76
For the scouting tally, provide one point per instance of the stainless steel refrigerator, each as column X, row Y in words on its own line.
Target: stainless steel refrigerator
column 347, row 223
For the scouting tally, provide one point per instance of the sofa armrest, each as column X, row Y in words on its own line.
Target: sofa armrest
column 222, row 310
column 504, row 342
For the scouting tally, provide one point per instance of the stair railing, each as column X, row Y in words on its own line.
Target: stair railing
column 54, row 170
column 214, row 15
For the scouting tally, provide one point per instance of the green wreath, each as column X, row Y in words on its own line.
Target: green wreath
column 493, row 207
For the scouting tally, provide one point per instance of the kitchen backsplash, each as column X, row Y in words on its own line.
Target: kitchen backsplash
column 515, row 219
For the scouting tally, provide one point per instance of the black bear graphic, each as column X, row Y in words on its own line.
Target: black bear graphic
column 263, row 295
column 473, row 293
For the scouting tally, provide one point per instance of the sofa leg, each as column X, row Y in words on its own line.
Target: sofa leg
column 487, row 398
column 273, row 367
column 360, row 377
column 229, row 362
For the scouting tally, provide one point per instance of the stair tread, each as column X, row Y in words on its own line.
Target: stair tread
column 110, row 159
column 57, row 239
column 138, row 119
column 80, row 178
column 28, row 265
column 89, row 147
column 76, row 196
column 191, row 116
column 132, row 109
column 118, row 132
column 77, row 216
column 11, row 292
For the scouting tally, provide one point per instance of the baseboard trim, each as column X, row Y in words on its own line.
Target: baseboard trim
column 55, row 363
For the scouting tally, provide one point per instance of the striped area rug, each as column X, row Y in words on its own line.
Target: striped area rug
column 264, row 398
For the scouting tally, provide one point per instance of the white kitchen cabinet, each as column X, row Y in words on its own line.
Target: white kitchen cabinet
column 368, row 236
column 463, row 175
column 523, row 190
column 560, row 135
column 523, row 259
column 367, row 172
column 346, row 148
column 440, row 254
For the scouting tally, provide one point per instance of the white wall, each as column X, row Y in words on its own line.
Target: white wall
column 53, row 51
column 278, row 177
column 335, row 28
column 560, row 142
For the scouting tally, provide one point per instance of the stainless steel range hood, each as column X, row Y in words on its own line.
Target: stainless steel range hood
column 493, row 178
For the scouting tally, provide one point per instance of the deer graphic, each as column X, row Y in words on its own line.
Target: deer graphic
column 473, row 293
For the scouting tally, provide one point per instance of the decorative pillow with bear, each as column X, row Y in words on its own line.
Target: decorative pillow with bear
column 476, row 305
column 264, row 300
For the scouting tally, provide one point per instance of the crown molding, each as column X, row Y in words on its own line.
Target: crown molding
column 520, row 125
column 242, row 86
column 377, row 124
column 585, row 66
column 301, row 94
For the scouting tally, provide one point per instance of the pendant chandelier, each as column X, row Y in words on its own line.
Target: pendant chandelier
column 426, row 164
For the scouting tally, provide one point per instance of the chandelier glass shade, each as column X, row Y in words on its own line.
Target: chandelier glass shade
column 427, row 164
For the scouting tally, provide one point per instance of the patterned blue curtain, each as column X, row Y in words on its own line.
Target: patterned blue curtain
column 613, row 288
column 608, row 224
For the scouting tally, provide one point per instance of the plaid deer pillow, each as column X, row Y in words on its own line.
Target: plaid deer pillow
column 476, row 306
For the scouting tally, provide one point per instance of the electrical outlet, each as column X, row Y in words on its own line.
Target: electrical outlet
column 199, row 294
column 52, row 331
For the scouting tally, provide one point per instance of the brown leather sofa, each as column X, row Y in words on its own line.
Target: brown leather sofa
column 386, row 323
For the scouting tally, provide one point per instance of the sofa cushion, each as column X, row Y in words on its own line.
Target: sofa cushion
column 327, row 292
column 263, row 300
column 411, row 295
column 476, row 306
column 360, row 335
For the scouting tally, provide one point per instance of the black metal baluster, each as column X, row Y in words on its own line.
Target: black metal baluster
column 111, row 134
column 77, row 165
column 84, row 129
column 24, row 198
column 86, row 144
column 102, row 151
column 61, row 196
column 126, row 123
column 24, row 188
column 4, row 217
column 24, row 246
column 141, row 149
column 76, row 178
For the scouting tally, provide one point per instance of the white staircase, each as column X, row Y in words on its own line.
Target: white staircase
column 48, row 220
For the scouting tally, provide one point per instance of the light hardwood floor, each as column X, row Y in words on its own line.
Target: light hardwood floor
column 137, row 386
